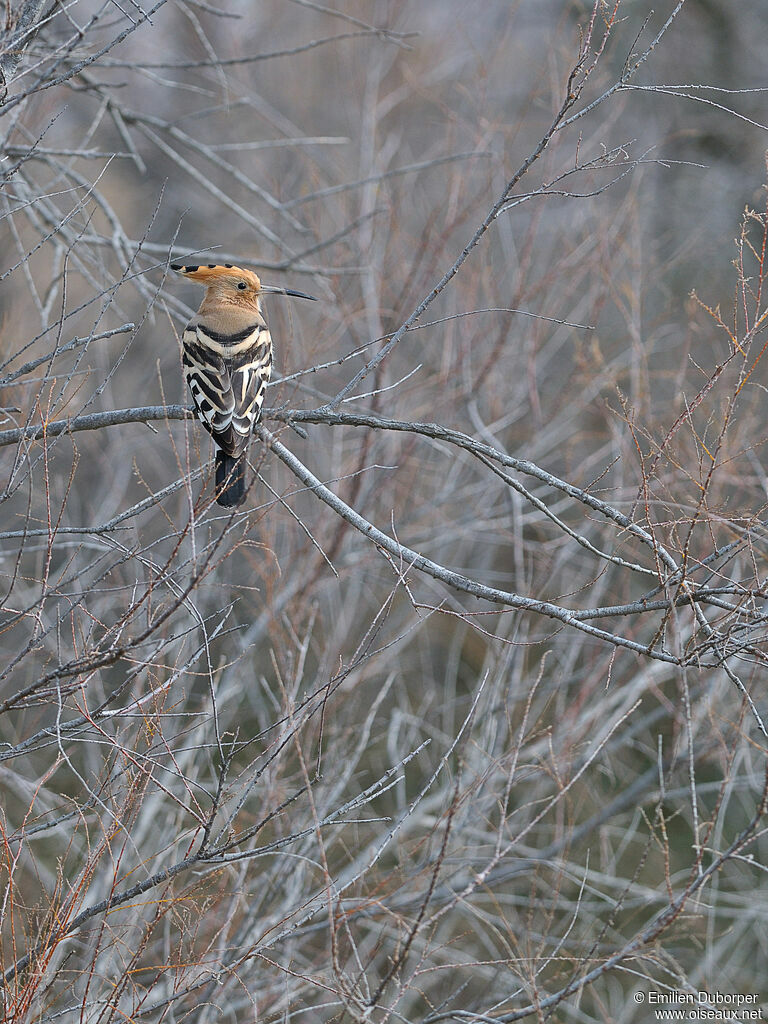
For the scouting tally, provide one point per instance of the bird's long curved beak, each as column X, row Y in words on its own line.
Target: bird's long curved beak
column 287, row 291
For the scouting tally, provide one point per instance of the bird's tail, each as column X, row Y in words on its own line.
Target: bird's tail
column 230, row 479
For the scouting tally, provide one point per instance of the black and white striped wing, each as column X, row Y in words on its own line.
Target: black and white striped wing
column 227, row 376
column 250, row 376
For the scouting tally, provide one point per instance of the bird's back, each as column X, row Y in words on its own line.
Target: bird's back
column 227, row 365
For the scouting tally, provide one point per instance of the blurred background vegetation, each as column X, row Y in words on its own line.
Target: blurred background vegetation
column 274, row 766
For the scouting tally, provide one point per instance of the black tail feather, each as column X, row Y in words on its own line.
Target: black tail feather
column 230, row 479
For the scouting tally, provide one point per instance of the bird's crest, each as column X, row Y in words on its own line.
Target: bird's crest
column 209, row 273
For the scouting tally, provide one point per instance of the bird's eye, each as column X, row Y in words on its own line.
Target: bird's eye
column 242, row 286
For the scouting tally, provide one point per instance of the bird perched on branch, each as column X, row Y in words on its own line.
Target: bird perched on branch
column 227, row 356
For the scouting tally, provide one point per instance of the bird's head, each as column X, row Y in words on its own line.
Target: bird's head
column 230, row 284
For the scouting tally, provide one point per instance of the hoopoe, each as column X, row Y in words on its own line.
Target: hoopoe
column 227, row 357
